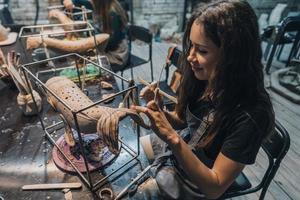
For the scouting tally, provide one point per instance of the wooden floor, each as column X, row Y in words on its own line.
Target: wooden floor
column 286, row 184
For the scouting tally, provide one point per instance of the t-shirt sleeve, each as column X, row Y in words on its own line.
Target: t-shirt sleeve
column 243, row 140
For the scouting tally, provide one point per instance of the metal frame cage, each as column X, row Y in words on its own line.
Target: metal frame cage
column 57, row 31
column 32, row 77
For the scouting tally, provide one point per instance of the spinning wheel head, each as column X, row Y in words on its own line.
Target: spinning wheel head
column 98, row 155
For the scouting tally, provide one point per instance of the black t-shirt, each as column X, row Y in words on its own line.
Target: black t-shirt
column 239, row 138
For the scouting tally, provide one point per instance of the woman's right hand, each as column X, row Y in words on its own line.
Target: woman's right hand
column 68, row 4
column 147, row 93
column 151, row 93
column 159, row 123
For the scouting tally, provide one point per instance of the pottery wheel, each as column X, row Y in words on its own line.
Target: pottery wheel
column 96, row 152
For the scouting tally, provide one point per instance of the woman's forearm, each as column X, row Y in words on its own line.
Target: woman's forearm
column 205, row 178
column 212, row 182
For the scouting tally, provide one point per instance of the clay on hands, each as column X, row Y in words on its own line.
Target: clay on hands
column 77, row 46
column 98, row 118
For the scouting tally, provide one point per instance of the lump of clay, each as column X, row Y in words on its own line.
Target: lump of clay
column 7, row 37
column 24, row 99
column 105, row 85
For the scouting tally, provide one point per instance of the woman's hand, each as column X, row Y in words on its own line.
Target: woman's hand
column 148, row 94
column 159, row 123
column 68, row 4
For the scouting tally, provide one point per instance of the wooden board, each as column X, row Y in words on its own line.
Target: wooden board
column 52, row 186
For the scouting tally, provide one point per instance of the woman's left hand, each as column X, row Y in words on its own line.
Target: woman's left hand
column 159, row 123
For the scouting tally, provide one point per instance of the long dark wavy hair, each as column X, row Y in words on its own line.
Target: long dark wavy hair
column 238, row 78
column 102, row 10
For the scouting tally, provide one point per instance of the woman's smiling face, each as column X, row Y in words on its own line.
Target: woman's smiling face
column 204, row 54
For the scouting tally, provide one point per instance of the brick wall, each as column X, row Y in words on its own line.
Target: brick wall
column 158, row 11
column 146, row 12
column 24, row 11
column 266, row 6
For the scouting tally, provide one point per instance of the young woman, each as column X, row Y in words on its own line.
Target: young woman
column 110, row 18
column 222, row 104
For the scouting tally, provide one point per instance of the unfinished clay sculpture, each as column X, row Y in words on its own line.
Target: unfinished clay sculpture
column 3, row 65
column 62, row 18
column 72, row 42
column 24, row 98
column 7, row 37
column 108, row 97
column 78, row 46
column 100, row 119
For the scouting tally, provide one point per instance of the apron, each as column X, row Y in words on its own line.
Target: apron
column 171, row 179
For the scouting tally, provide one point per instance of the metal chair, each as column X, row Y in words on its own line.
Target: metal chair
column 144, row 35
column 289, row 24
column 275, row 147
column 172, row 60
